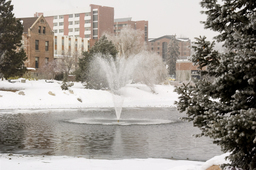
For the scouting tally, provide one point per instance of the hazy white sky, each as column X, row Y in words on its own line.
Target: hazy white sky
column 165, row 17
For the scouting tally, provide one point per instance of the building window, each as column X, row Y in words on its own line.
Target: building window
column 70, row 30
column 87, row 29
column 87, row 21
column 164, row 50
column 55, row 40
column 61, row 31
column 87, row 36
column 95, row 25
column 46, row 45
column 95, row 33
column 46, row 60
column 77, row 15
column 61, row 17
column 55, row 24
column 39, row 29
column 61, row 24
column 152, row 49
column 70, row 16
column 42, row 21
column 70, row 23
column 44, row 30
column 62, row 41
column 55, row 31
column 76, row 29
column 55, row 51
column 37, row 62
column 55, row 17
column 37, row 44
column 76, row 22
column 95, row 17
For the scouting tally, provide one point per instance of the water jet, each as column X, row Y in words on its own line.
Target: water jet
column 118, row 73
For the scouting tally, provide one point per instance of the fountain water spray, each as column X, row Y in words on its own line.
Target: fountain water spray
column 118, row 73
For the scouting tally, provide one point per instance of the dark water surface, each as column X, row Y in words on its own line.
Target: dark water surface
column 48, row 132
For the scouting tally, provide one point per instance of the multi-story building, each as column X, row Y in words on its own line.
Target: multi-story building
column 68, row 45
column 89, row 22
column 37, row 41
column 186, row 70
column 137, row 25
column 160, row 46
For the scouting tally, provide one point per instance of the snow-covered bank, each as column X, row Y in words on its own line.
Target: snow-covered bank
column 39, row 94
column 14, row 162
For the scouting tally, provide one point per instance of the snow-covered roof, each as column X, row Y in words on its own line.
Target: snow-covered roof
column 169, row 37
column 155, row 39
column 183, row 39
column 122, row 19
column 30, row 68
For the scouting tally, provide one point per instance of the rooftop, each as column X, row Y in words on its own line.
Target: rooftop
column 169, row 37
column 27, row 22
column 123, row 19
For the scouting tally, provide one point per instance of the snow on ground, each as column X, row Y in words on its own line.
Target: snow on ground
column 68, row 163
column 42, row 95
column 39, row 94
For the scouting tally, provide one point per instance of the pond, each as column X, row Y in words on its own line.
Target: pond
column 54, row 132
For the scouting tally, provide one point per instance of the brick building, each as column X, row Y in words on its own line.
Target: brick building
column 137, row 25
column 37, row 41
column 90, row 22
column 160, row 46
column 186, row 70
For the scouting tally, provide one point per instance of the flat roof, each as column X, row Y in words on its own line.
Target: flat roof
column 123, row 19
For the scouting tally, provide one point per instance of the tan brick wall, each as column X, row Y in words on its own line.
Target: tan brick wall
column 30, row 39
column 157, row 46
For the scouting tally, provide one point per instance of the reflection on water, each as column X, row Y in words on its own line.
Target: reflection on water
column 50, row 133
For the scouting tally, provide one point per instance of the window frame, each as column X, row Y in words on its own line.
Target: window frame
column 36, row 44
column 39, row 29
column 36, row 62
column 46, row 45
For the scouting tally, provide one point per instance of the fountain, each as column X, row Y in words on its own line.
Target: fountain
column 118, row 73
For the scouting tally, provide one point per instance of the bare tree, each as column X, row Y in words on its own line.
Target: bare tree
column 48, row 71
column 150, row 69
column 67, row 63
column 128, row 41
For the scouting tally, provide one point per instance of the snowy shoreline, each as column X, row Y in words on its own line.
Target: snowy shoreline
column 29, row 162
column 34, row 96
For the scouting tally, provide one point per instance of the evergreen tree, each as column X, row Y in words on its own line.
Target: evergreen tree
column 87, row 73
column 11, row 60
column 225, row 109
column 172, row 55
column 13, row 64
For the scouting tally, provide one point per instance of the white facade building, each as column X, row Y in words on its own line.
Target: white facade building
column 69, row 45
